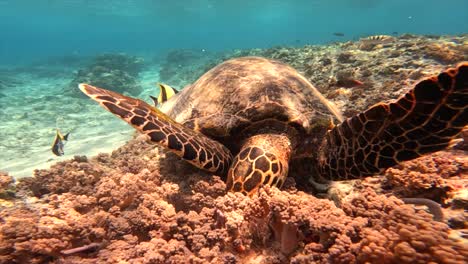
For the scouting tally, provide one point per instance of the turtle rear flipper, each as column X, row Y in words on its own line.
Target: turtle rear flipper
column 424, row 120
column 190, row 145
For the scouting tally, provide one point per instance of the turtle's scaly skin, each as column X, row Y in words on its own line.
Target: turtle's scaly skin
column 262, row 160
column 265, row 113
column 201, row 151
column 424, row 120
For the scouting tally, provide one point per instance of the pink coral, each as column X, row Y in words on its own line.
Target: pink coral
column 5, row 181
column 398, row 234
column 428, row 176
column 145, row 217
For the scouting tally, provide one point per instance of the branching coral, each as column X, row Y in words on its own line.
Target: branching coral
column 427, row 176
column 398, row 234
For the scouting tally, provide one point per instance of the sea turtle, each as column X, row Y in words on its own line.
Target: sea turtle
column 247, row 118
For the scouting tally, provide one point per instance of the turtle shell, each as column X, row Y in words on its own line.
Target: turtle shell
column 250, row 103
column 245, row 95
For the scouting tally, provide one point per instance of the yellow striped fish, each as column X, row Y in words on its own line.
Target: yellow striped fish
column 165, row 92
column 377, row 39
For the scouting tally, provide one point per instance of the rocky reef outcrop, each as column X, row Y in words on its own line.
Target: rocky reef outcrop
column 116, row 72
column 183, row 66
column 352, row 75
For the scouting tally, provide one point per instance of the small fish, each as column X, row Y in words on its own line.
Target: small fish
column 165, row 92
column 57, row 146
column 378, row 39
column 349, row 83
column 338, row 34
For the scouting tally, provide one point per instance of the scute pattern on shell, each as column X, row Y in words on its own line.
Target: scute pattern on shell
column 241, row 91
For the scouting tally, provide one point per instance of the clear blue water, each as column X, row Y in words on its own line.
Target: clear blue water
column 35, row 29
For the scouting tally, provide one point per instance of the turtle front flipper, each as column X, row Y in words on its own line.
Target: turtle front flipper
column 190, row 145
column 262, row 160
column 424, row 120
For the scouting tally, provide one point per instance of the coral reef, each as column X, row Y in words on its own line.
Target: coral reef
column 398, row 234
column 427, row 177
column 142, row 204
column 5, row 181
column 7, row 190
column 182, row 67
column 7, row 81
column 116, row 72
column 440, row 177
column 7, row 187
column 130, row 64
column 351, row 77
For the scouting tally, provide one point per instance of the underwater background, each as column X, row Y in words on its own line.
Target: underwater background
column 112, row 197
column 33, row 30
column 45, row 43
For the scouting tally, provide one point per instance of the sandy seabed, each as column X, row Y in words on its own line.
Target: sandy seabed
column 34, row 106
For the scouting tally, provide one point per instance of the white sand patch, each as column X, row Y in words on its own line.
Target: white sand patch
column 41, row 157
column 148, row 80
column 30, row 113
